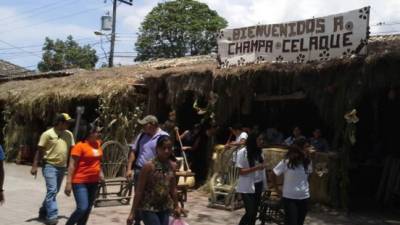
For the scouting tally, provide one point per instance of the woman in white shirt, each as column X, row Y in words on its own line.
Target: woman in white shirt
column 296, row 168
column 252, row 178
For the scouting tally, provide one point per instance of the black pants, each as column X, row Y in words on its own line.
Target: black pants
column 295, row 211
column 251, row 202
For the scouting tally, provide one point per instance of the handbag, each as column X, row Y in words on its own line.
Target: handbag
column 176, row 221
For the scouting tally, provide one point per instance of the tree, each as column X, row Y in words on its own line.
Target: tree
column 59, row 55
column 178, row 28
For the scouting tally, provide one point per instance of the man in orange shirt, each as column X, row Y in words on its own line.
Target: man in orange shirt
column 84, row 174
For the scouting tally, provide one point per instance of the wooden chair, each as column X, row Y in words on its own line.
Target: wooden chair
column 223, row 182
column 116, row 189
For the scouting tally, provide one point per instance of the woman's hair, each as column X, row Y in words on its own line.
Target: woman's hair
column 162, row 140
column 296, row 155
column 160, row 143
column 90, row 129
column 301, row 143
column 253, row 151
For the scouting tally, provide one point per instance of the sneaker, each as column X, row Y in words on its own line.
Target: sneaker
column 51, row 221
column 42, row 216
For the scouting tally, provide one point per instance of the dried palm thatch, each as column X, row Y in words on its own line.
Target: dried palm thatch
column 334, row 87
column 29, row 105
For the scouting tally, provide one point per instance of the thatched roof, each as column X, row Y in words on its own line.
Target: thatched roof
column 84, row 83
column 34, row 76
column 202, row 70
column 115, row 94
column 8, row 69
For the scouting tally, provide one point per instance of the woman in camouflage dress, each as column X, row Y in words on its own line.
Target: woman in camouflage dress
column 156, row 196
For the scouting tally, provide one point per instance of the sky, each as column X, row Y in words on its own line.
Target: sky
column 24, row 24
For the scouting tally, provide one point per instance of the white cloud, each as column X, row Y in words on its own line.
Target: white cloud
column 133, row 16
column 244, row 13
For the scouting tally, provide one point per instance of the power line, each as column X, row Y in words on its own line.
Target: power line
column 19, row 48
column 31, row 10
column 27, row 46
column 30, row 46
column 385, row 24
column 387, row 32
column 13, row 53
column 20, row 70
column 30, row 66
column 41, row 45
column 54, row 19
column 22, row 55
column 35, row 12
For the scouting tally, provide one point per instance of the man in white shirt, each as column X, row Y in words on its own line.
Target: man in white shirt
column 240, row 136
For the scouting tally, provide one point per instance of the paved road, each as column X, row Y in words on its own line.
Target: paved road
column 24, row 195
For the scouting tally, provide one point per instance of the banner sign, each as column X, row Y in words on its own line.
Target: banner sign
column 316, row 39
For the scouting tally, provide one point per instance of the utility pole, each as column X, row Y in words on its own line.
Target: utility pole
column 114, row 21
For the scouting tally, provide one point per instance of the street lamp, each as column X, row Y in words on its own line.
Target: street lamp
column 114, row 20
column 101, row 34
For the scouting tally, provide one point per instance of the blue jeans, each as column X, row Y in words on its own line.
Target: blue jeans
column 53, row 175
column 155, row 218
column 85, row 195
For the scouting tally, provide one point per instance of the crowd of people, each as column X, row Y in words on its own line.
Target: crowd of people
column 152, row 165
column 295, row 169
column 317, row 141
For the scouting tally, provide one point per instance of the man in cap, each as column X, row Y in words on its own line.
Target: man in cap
column 53, row 147
column 143, row 149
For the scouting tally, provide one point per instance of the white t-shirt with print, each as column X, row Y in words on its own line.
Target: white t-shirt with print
column 295, row 181
column 246, row 182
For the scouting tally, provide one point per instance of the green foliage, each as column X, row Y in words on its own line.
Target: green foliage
column 178, row 28
column 59, row 55
column 119, row 121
